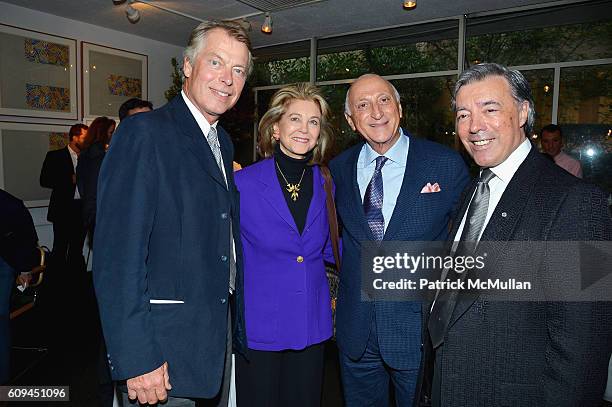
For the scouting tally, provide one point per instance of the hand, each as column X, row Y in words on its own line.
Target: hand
column 237, row 166
column 150, row 387
column 24, row 279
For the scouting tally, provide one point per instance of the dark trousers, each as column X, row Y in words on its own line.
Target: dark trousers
column 366, row 380
column 284, row 378
column 69, row 237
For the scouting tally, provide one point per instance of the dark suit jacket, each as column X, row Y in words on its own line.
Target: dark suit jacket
column 18, row 252
column 88, row 170
column 416, row 217
column 56, row 173
column 531, row 353
column 162, row 233
column 18, row 238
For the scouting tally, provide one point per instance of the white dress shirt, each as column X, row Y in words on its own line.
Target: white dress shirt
column 205, row 127
column 392, row 172
column 503, row 174
column 75, row 160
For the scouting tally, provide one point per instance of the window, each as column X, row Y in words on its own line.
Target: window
column 542, row 84
column 279, row 65
column 541, row 36
column 585, row 116
column 411, row 49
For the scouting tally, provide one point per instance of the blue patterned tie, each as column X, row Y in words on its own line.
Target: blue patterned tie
column 373, row 201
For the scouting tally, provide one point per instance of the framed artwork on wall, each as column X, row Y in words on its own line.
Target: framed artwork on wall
column 23, row 147
column 110, row 77
column 38, row 74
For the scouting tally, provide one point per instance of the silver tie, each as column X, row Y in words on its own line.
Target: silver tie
column 213, row 142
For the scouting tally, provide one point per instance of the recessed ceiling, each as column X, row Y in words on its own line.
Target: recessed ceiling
column 319, row 19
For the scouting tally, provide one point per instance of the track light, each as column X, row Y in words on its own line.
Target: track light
column 266, row 28
column 410, row 5
column 132, row 14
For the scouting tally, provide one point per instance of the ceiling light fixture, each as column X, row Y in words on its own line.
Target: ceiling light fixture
column 132, row 14
column 131, row 11
column 266, row 27
column 410, row 5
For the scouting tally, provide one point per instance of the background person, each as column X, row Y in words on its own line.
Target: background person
column 133, row 106
column 100, row 133
column 65, row 205
column 285, row 235
column 552, row 144
column 18, row 253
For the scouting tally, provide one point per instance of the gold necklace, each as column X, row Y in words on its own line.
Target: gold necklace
column 293, row 189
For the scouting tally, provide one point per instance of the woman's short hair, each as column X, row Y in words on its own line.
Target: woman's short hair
column 278, row 107
column 98, row 130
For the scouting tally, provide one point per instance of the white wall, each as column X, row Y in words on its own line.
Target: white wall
column 159, row 68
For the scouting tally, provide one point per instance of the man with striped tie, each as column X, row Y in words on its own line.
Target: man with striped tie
column 393, row 186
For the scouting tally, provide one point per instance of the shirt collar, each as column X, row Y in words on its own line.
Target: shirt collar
column 198, row 116
column 505, row 171
column 398, row 153
column 71, row 151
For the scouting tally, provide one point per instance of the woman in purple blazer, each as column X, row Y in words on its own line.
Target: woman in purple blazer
column 285, row 237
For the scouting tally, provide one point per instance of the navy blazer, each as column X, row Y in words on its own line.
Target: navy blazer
column 287, row 304
column 416, row 217
column 162, row 233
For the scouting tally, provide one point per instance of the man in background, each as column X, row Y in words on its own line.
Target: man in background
column 65, row 207
column 133, row 106
column 552, row 143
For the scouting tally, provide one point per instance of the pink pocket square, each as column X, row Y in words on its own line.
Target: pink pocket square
column 429, row 188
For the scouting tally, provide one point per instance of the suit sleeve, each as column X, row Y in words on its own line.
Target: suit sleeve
column 127, row 205
column 48, row 177
column 87, row 180
column 580, row 333
column 18, row 238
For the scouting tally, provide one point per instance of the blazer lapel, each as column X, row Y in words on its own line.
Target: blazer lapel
column 503, row 222
column 195, row 141
column 272, row 193
column 409, row 191
column 318, row 197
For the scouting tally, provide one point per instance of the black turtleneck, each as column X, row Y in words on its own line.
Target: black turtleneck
column 292, row 169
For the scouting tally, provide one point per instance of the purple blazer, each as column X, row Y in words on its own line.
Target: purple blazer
column 286, row 293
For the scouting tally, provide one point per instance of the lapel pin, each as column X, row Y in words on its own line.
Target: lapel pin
column 504, row 215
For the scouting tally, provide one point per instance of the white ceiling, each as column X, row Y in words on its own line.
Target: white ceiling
column 325, row 18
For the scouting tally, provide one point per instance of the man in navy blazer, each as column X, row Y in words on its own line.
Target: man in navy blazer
column 168, row 263
column 381, row 340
